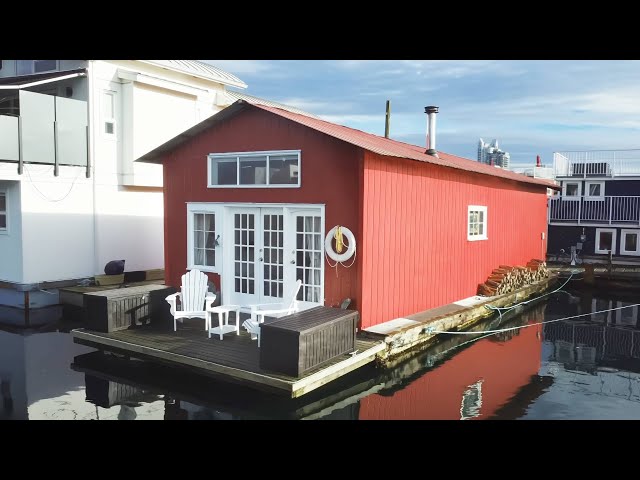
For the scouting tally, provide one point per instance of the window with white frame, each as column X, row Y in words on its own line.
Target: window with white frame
column 571, row 190
column 4, row 223
column 109, row 112
column 605, row 240
column 29, row 67
column 254, row 169
column 594, row 190
column 204, row 224
column 477, row 223
column 629, row 242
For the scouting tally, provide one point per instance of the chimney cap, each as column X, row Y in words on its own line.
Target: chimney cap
column 431, row 109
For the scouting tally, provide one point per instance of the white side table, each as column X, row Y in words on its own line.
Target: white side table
column 223, row 320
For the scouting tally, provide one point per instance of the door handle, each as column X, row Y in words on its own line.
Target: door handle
column 293, row 262
column 260, row 258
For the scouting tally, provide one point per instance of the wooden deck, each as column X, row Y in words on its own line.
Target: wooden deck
column 236, row 358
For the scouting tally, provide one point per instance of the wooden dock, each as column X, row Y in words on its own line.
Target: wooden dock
column 236, row 358
column 405, row 336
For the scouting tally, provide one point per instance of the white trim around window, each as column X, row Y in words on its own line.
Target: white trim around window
column 4, row 212
column 571, row 197
column 594, row 191
column 204, row 226
column 109, row 110
column 263, row 169
column 623, row 241
column 599, row 248
column 476, row 223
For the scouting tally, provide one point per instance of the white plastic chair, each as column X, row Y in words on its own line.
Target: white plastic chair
column 194, row 297
column 259, row 311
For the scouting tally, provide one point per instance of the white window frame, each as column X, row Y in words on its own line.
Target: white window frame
column 217, row 210
column 477, row 208
column 573, row 197
column 613, row 240
column 623, row 241
column 5, row 212
column 103, row 113
column 238, row 155
column 594, row 197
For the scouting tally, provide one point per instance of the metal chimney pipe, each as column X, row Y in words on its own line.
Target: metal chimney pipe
column 387, row 120
column 431, row 135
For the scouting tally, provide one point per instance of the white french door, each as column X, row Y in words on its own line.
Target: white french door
column 266, row 249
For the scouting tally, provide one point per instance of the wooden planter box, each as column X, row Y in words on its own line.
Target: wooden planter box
column 305, row 340
column 121, row 308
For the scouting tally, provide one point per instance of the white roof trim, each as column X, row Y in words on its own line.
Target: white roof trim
column 199, row 70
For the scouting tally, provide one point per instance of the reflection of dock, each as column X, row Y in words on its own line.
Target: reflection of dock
column 591, row 343
column 344, row 397
column 236, row 358
column 110, row 378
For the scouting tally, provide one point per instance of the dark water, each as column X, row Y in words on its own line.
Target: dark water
column 585, row 368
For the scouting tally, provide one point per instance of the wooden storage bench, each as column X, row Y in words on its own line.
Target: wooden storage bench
column 121, row 308
column 305, row 340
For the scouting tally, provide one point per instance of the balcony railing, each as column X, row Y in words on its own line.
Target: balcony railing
column 597, row 163
column 48, row 130
column 604, row 210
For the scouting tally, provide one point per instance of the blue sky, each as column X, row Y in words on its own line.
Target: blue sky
column 531, row 106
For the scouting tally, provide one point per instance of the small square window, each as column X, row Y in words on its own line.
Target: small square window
column 630, row 242
column 605, row 240
column 573, row 190
column 594, row 190
column 477, row 223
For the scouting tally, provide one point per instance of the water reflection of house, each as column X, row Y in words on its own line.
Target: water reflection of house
column 473, row 384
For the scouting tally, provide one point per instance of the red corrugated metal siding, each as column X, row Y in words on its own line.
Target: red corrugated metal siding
column 329, row 173
column 437, row 395
column 414, row 248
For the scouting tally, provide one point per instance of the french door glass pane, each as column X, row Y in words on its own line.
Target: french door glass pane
column 273, row 255
column 308, row 257
column 244, row 253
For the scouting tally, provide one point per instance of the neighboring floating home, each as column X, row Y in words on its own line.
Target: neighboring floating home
column 71, row 197
column 253, row 193
column 598, row 211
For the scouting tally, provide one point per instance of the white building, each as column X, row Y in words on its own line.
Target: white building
column 491, row 154
column 71, row 196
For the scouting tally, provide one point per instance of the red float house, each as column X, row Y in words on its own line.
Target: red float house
column 251, row 192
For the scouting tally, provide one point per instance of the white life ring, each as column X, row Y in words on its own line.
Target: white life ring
column 351, row 246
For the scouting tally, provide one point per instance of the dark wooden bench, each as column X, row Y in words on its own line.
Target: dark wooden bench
column 122, row 308
column 305, row 340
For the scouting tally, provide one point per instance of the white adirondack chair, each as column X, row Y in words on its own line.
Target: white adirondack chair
column 259, row 311
column 194, row 297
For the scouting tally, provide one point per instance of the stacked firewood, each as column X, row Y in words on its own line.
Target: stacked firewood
column 507, row 278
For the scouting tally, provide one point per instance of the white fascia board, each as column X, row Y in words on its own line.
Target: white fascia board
column 161, row 83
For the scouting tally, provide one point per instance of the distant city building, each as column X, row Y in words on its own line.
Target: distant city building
column 491, row 154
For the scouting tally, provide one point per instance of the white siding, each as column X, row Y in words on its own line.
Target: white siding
column 57, row 224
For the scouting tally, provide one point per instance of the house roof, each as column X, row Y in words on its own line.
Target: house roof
column 234, row 96
column 367, row 141
column 199, row 69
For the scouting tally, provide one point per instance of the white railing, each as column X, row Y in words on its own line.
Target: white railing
column 606, row 210
column 536, row 172
column 597, row 163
